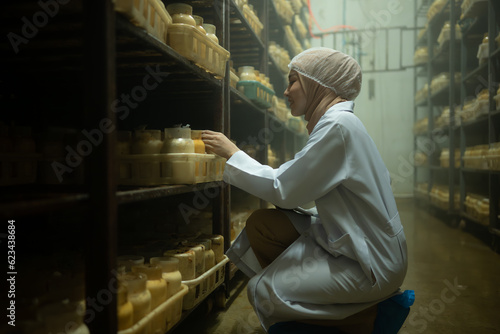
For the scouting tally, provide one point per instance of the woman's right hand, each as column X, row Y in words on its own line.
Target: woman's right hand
column 218, row 143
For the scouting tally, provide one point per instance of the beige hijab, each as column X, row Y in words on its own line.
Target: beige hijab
column 328, row 77
column 318, row 100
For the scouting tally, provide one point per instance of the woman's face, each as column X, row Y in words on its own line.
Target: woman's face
column 295, row 95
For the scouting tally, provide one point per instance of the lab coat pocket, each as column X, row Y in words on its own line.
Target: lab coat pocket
column 393, row 226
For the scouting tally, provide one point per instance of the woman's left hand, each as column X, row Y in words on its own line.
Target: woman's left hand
column 218, row 143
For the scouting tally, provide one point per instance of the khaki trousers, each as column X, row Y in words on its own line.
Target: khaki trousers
column 270, row 232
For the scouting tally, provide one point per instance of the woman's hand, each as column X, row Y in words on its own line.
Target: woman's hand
column 218, row 143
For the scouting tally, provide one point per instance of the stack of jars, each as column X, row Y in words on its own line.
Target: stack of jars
column 280, row 55
column 143, row 288
column 173, row 140
column 182, row 13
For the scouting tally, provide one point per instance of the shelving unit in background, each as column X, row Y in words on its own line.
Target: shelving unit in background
column 464, row 127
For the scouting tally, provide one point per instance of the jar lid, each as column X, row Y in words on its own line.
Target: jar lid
column 147, row 134
column 198, row 19
column 130, row 260
column 152, row 271
column 205, row 242
column 178, row 133
column 210, row 28
column 134, row 282
column 167, row 263
column 196, row 134
column 179, row 8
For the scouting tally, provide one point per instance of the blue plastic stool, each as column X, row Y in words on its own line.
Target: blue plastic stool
column 391, row 314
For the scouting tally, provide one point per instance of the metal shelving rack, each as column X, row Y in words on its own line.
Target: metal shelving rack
column 68, row 75
column 483, row 17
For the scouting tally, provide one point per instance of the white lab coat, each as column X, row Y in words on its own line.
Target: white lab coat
column 356, row 234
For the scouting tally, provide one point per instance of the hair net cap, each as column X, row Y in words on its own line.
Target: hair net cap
column 330, row 68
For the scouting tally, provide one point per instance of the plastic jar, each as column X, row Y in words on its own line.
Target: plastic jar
column 147, row 142
column 128, row 261
column 64, row 317
column 181, row 13
column 186, row 259
column 125, row 312
column 210, row 28
column 199, row 253
column 199, row 24
column 199, row 145
column 138, row 294
column 209, row 253
column 170, row 273
column 247, row 73
column 217, row 246
column 155, row 283
column 178, row 140
column 257, row 75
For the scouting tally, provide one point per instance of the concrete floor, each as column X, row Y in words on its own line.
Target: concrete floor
column 455, row 275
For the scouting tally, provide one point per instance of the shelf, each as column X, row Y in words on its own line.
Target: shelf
column 439, row 168
column 475, row 122
column 475, row 170
column 473, row 26
column 472, row 219
column 23, row 200
column 439, row 18
column 480, row 71
column 495, row 54
column 136, row 50
column 236, row 95
column 130, row 195
column 441, row 97
column 246, row 46
column 478, row 9
column 442, row 57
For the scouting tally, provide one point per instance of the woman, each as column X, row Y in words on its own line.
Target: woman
column 338, row 260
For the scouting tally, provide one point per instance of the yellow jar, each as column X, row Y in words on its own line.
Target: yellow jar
column 170, row 273
column 210, row 28
column 199, row 255
column 138, row 294
column 125, row 309
column 181, row 13
column 199, row 145
column 199, row 24
column 155, row 283
column 186, row 259
column 209, row 253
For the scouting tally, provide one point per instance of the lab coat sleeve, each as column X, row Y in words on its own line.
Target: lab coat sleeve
column 319, row 167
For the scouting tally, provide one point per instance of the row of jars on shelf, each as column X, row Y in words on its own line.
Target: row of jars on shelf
column 486, row 157
column 150, row 281
column 476, row 206
column 438, row 82
column 473, row 108
column 421, row 55
column 172, row 140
